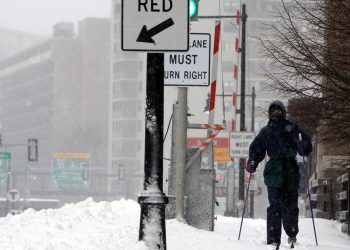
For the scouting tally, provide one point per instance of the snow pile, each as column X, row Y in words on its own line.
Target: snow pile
column 114, row 225
column 85, row 225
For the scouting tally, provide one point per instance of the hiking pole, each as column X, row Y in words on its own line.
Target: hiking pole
column 245, row 203
column 308, row 191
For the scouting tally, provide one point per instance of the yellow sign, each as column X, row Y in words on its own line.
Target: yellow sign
column 71, row 155
column 222, row 154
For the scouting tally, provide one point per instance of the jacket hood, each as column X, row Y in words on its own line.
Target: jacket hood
column 278, row 104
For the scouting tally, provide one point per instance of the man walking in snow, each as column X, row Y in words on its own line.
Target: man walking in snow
column 281, row 140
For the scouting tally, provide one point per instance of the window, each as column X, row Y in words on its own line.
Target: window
column 127, row 68
column 259, row 85
column 229, row 86
column 126, row 89
column 121, row 172
column 117, row 9
column 117, row 30
column 255, row 69
column 254, row 48
column 230, row 27
column 228, row 46
column 230, row 6
column 126, row 108
column 126, row 148
column 227, row 66
column 124, row 128
column 228, row 104
column 116, row 107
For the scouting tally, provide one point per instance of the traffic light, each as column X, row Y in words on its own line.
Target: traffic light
column 194, row 4
column 33, row 150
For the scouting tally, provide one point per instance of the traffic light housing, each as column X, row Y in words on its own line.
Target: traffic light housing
column 194, row 4
column 33, row 153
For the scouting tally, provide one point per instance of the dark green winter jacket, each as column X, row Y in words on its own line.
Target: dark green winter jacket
column 279, row 141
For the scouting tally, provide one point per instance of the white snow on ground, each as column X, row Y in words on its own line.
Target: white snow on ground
column 90, row 225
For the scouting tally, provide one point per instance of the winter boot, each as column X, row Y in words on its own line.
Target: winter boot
column 275, row 245
column 292, row 241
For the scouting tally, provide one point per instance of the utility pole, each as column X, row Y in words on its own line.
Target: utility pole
column 242, row 108
column 230, row 207
column 251, row 210
column 180, row 122
column 9, row 174
column 253, row 109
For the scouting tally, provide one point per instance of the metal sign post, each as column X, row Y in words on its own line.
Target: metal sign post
column 152, row 199
column 242, row 106
column 157, row 25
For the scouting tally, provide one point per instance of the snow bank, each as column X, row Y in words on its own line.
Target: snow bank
column 90, row 225
column 85, row 225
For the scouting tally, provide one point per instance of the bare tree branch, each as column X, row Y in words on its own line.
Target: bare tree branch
column 309, row 58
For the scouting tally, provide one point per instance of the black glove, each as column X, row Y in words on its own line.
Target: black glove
column 301, row 145
column 251, row 167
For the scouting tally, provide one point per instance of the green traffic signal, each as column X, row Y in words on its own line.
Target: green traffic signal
column 193, row 7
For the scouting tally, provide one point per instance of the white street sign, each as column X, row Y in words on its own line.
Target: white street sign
column 191, row 68
column 13, row 195
column 155, row 25
column 239, row 144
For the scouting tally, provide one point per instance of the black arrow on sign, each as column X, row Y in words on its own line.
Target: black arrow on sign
column 145, row 35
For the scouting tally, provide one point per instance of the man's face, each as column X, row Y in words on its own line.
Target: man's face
column 276, row 114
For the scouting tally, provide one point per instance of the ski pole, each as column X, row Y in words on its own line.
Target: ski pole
column 245, row 203
column 308, row 192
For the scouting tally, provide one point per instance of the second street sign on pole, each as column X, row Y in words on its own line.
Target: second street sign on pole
column 239, row 144
column 191, row 68
column 155, row 25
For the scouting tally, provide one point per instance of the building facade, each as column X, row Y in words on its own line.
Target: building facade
column 57, row 92
column 12, row 41
column 126, row 141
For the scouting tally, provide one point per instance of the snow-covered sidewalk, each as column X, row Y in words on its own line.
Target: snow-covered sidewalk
column 90, row 225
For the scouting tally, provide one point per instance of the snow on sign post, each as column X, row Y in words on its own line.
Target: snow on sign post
column 239, row 144
column 191, row 68
column 155, row 25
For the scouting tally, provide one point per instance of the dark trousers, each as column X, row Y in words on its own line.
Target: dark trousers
column 283, row 209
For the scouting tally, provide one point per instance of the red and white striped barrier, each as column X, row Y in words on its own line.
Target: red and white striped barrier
column 205, row 144
column 209, row 140
column 214, row 72
column 213, row 126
